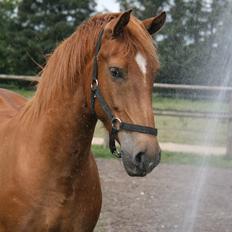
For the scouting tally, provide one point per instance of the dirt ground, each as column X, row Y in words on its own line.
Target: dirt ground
column 173, row 198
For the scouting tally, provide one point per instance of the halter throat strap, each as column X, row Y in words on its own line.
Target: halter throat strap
column 116, row 123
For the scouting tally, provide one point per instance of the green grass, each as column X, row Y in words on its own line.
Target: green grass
column 185, row 130
column 176, row 158
column 190, row 130
column 101, row 152
column 196, row 160
column 176, row 103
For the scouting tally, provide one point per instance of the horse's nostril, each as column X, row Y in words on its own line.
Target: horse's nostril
column 139, row 158
column 143, row 162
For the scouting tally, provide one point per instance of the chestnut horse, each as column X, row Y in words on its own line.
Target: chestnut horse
column 48, row 176
column 10, row 103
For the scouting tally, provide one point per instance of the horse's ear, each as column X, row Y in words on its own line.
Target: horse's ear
column 154, row 24
column 121, row 22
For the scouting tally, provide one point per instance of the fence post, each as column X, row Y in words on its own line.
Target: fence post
column 106, row 139
column 229, row 133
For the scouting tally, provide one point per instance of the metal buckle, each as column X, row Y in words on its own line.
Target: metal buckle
column 116, row 122
column 94, row 85
column 117, row 154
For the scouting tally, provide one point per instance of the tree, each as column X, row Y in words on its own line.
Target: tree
column 188, row 38
column 38, row 27
column 219, row 70
column 7, row 15
column 143, row 9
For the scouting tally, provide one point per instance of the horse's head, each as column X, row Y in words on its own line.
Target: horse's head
column 127, row 62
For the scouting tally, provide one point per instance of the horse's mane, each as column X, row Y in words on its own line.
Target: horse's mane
column 68, row 60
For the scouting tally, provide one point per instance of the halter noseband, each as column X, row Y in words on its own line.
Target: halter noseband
column 117, row 124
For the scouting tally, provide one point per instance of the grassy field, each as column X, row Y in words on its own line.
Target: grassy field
column 190, row 130
column 176, row 103
column 175, row 158
column 174, row 129
column 186, row 130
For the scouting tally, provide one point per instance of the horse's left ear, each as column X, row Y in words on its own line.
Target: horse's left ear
column 154, row 24
column 121, row 22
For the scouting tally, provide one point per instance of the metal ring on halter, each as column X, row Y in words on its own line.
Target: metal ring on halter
column 116, row 122
column 117, row 154
column 94, row 85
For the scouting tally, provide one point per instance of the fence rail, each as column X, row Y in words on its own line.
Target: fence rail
column 192, row 87
column 156, row 85
column 21, row 78
column 193, row 114
column 174, row 113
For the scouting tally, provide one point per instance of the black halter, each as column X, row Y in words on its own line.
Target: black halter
column 117, row 124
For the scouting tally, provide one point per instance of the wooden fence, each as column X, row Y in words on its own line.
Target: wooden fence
column 192, row 87
column 175, row 113
column 195, row 114
column 21, row 78
column 203, row 114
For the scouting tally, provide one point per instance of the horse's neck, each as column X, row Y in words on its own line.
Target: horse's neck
column 64, row 130
column 64, row 126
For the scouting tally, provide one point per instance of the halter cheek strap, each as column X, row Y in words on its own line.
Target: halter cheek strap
column 117, row 124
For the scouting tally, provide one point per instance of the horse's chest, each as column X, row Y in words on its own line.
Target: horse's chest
column 57, row 207
column 68, row 218
column 78, row 213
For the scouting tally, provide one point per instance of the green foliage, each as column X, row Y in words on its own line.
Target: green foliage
column 187, row 41
column 143, row 9
column 33, row 28
column 6, row 25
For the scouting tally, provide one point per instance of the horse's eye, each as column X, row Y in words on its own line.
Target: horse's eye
column 116, row 72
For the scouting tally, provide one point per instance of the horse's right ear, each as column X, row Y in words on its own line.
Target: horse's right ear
column 154, row 24
column 121, row 23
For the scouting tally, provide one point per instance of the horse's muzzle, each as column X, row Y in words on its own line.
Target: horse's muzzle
column 140, row 164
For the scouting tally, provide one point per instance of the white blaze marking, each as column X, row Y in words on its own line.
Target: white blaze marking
column 141, row 61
